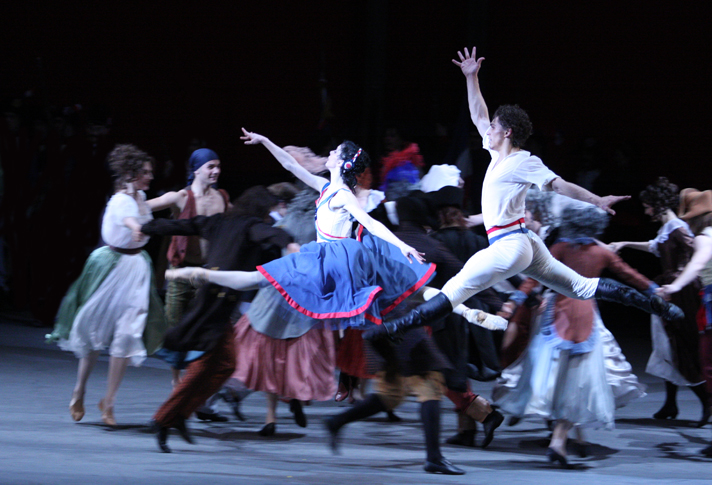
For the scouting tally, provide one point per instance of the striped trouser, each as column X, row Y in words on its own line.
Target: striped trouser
column 202, row 379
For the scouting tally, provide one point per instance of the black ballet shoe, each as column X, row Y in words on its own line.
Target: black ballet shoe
column 268, row 429
column 295, row 406
column 212, row 417
column 179, row 424
column 162, row 437
column 333, row 433
column 513, row 420
column 704, row 419
column 582, row 449
column 443, row 466
column 667, row 412
column 491, row 422
column 463, row 438
column 393, row 417
column 554, row 456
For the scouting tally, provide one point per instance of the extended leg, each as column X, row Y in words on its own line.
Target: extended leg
column 237, row 280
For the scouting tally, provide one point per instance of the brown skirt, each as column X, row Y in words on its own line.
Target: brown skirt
column 296, row 368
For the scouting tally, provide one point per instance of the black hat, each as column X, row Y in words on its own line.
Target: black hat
column 447, row 196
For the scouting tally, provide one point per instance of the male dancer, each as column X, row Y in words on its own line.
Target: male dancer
column 513, row 249
column 199, row 198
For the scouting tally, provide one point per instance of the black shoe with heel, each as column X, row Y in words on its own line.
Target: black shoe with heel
column 442, row 466
column 268, row 429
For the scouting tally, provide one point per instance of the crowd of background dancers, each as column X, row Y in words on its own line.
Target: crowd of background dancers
column 277, row 289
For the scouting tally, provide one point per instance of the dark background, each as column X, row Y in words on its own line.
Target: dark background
column 617, row 88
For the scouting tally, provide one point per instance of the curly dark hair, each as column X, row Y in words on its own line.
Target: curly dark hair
column 515, row 118
column 348, row 151
column 578, row 222
column 661, row 196
column 126, row 162
column 255, row 201
column 452, row 216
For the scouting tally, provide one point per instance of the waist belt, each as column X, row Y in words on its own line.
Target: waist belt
column 126, row 250
column 495, row 233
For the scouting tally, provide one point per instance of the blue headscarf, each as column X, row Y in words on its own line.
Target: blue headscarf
column 200, row 157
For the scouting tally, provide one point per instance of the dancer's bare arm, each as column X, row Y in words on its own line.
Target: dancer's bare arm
column 169, row 199
column 562, row 187
column 348, row 201
column 470, row 66
column 639, row 245
column 285, row 159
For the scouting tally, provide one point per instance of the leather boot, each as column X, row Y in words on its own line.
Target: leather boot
column 437, row 307
column 611, row 290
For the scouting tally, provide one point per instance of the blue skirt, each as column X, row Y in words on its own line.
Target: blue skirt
column 356, row 282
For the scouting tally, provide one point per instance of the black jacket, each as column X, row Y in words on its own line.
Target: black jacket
column 237, row 243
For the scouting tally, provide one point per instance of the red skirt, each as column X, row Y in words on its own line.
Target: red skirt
column 297, row 368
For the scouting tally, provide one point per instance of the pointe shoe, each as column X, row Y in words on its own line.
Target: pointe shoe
column 295, row 406
column 107, row 414
column 76, row 408
column 554, row 456
column 342, row 392
column 268, row 429
column 485, row 320
column 162, row 437
column 196, row 276
column 667, row 412
column 491, row 422
column 443, row 466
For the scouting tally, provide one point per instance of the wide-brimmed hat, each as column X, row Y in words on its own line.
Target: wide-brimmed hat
column 694, row 203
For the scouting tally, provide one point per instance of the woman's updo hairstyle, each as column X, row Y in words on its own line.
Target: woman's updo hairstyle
column 126, row 162
column 661, row 196
column 355, row 162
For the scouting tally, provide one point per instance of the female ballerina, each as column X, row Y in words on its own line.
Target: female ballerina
column 114, row 302
column 675, row 355
column 573, row 370
column 336, row 277
column 696, row 210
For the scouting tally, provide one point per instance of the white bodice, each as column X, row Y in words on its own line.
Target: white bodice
column 113, row 230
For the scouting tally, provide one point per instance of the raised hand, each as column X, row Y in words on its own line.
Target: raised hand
column 469, row 64
column 606, row 202
column 252, row 138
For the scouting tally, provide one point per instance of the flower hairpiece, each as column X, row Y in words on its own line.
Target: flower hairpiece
column 350, row 163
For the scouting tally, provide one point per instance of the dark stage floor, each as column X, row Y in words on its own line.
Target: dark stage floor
column 39, row 443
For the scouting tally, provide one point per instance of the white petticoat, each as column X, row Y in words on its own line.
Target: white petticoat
column 584, row 388
column 115, row 315
column 660, row 363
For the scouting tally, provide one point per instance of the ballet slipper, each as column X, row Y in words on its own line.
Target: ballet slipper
column 76, row 408
column 107, row 414
column 485, row 320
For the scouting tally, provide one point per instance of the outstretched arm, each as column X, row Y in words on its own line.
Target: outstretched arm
column 639, row 245
column 470, row 66
column 348, row 201
column 285, row 159
column 701, row 256
column 562, row 187
column 169, row 199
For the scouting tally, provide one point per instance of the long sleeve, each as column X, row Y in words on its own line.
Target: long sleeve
column 626, row 273
column 196, row 226
column 268, row 236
